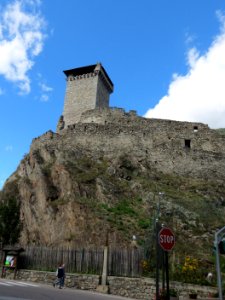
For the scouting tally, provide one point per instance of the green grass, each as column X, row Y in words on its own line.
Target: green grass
column 221, row 131
column 190, row 206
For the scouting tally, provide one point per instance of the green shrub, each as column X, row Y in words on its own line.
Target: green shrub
column 144, row 223
column 10, row 225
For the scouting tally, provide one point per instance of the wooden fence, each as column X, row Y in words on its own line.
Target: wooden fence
column 121, row 262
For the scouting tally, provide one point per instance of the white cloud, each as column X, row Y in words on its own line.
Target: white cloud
column 9, row 148
column 44, row 98
column 198, row 96
column 21, row 39
column 45, row 88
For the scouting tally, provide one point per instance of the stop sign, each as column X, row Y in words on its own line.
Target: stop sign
column 166, row 239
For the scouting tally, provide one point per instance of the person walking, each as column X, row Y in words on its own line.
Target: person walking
column 60, row 273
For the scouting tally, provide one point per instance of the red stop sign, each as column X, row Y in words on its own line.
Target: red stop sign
column 166, row 239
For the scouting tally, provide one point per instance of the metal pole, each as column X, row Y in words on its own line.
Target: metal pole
column 157, row 244
column 157, row 260
column 163, row 269
column 219, row 282
column 167, row 277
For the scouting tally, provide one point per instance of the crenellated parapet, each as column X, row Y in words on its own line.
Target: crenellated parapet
column 90, row 71
column 95, row 73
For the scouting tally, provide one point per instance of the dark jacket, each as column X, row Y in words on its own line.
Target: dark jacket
column 61, row 272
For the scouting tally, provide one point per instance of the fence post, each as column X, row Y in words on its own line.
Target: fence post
column 104, row 288
column 105, row 266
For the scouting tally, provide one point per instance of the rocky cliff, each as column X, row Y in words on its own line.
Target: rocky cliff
column 114, row 173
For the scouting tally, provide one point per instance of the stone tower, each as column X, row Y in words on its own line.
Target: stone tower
column 87, row 88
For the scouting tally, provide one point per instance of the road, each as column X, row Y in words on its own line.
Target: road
column 21, row 290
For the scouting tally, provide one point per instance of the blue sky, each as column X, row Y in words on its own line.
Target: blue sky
column 165, row 58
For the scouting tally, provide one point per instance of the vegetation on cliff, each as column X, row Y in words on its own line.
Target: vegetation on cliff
column 10, row 224
column 75, row 189
column 120, row 197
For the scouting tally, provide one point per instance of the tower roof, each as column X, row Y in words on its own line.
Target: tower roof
column 88, row 69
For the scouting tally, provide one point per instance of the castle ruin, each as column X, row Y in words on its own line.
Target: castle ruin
column 105, row 154
column 87, row 101
column 172, row 146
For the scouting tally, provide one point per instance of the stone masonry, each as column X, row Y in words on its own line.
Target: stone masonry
column 140, row 288
column 87, row 88
column 185, row 148
column 171, row 146
column 131, row 151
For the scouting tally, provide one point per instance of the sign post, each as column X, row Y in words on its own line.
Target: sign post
column 166, row 240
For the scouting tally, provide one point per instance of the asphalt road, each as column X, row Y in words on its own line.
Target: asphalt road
column 21, row 290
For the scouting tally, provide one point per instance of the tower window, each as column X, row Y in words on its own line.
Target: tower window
column 195, row 128
column 187, row 143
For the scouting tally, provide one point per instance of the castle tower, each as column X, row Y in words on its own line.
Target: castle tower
column 87, row 88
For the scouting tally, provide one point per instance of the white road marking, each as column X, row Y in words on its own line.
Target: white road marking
column 17, row 283
column 4, row 283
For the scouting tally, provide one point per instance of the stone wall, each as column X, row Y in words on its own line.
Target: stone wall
column 102, row 94
column 169, row 146
column 80, row 96
column 137, row 288
column 83, row 93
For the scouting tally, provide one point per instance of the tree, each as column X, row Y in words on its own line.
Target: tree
column 10, row 224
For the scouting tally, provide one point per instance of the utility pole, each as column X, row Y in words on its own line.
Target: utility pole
column 158, row 249
column 218, row 238
column 157, row 258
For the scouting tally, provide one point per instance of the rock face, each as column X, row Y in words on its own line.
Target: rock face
column 106, row 174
